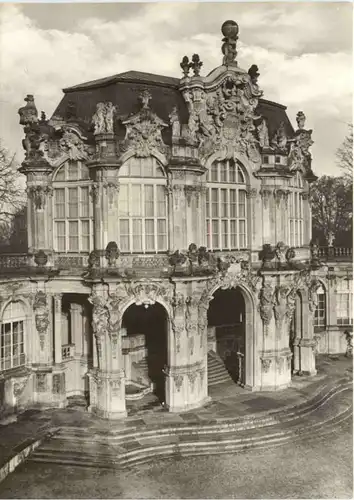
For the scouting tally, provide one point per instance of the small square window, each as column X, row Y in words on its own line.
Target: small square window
column 277, row 159
column 266, row 159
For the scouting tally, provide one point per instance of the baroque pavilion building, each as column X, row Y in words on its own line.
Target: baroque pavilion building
column 169, row 245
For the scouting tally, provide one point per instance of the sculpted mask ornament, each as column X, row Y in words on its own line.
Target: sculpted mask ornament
column 143, row 131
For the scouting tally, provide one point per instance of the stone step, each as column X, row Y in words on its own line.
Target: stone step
column 331, row 415
column 111, row 458
column 217, row 373
column 263, row 419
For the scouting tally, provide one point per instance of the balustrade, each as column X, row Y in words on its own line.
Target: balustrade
column 333, row 253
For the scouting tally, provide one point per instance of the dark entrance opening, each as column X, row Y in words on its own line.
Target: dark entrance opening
column 151, row 323
column 226, row 315
column 295, row 334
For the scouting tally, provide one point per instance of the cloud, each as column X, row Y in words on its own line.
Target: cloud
column 299, row 67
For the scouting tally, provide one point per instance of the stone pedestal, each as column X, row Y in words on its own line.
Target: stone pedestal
column 49, row 387
column 307, row 356
column 186, row 387
column 275, row 369
column 107, row 394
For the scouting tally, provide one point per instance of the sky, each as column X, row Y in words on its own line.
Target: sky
column 303, row 52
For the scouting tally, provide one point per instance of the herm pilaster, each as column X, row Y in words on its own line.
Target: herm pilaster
column 275, row 357
column 186, row 373
column 107, row 387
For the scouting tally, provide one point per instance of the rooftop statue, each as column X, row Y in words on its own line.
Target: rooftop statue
column 230, row 31
column 103, row 119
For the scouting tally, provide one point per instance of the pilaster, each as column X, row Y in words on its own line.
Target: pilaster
column 107, row 380
column 186, row 373
column 275, row 357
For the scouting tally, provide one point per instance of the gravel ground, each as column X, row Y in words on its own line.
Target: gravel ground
column 321, row 469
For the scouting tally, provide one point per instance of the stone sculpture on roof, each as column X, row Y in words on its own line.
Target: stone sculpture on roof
column 103, row 119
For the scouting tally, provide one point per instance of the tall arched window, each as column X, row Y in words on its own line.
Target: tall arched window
column 142, row 206
column 320, row 312
column 296, row 211
column 72, row 210
column 344, row 300
column 12, row 346
column 226, row 207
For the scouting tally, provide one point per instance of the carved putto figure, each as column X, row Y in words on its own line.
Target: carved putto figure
column 230, row 31
column 103, row 119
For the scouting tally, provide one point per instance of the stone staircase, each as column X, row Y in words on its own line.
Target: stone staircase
column 217, row 373
column 326, row 412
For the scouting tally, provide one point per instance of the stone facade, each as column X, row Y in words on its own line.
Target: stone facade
column 157, row 198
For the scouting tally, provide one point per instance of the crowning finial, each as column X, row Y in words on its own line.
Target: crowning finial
column 301, row 118
column 185, row 65
column 230, row 31
column 196, row 64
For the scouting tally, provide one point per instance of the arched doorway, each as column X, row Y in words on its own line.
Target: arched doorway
column 226, row 321
column 145, row 346
column 295, row 334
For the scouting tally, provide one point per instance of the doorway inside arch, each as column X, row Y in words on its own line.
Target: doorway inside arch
column 144, row 344
column 295, row 334
column 226, row 335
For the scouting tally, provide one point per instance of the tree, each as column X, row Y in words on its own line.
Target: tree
column 331, row 201
column 12, row 198
column 345, row 156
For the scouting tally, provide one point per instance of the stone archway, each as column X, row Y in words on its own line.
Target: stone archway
column 295, row 333
column 145, row 347
column 227, row 324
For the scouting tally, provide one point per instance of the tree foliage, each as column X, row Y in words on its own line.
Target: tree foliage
column 345, row 156
column 12, row 196
column 331, row 201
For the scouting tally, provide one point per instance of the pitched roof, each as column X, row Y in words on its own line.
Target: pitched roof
column 123, row 91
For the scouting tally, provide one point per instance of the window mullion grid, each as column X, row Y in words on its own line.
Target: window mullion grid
column 228, row 214
column 155, row 215
column 142, row 197
column 11, row 345
column 237, row 218
column 218, row 177
column 130, row 218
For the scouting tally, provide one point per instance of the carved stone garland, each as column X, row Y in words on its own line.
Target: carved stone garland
column 40, row 307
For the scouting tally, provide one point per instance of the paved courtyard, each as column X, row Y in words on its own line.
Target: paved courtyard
column 306, row 470
column 316, row 468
